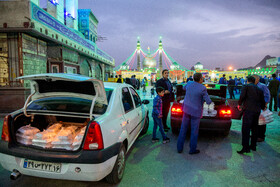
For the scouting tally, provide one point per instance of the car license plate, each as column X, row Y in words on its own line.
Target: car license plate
column 42, row 166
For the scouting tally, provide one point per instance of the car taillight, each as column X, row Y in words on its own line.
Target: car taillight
column 176, row 110
column 94, row 140
column 225, row 113
column 5, row 130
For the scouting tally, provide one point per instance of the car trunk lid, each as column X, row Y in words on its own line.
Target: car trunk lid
column 65, row 85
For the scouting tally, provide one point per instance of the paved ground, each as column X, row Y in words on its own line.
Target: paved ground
column 218, row 164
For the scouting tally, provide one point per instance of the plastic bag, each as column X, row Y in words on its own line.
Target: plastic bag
column 27, row 130
column 79, row 138
column 55, row 127
column 45, row 135
column 67, row 133
column 42, row 143
column 25, row 134
column 266, row 117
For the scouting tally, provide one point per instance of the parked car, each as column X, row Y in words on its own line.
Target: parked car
column 219, row 121
column 111, row 115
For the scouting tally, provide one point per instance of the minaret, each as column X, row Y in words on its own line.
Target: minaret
column 160, row 55
column 138, row 54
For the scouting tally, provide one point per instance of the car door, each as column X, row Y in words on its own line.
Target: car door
column 139, row 110
column 130, row 114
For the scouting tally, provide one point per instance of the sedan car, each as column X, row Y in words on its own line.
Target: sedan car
column 73, row 127
column 217, row 118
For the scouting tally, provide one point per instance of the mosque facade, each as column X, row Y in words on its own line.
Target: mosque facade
column 55, row 38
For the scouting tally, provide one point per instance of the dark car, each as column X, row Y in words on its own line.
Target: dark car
column 219, row 121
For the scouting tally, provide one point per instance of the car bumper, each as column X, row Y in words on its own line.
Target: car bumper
column 69, row 171
column 81, row 156
column 93, row 165
column 217, row 125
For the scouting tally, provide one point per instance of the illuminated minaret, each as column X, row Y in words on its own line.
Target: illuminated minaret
column 160, row 55
column 138, row 54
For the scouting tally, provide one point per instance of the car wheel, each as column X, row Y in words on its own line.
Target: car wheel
column 117, row 173
column 175, row 130
column 146, row 126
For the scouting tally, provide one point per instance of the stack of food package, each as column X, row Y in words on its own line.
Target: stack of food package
column 78, row 139
column 25, row 134
column 44, row 139
column 266, row 117
column 65, row 138
column 209, row 110
column 55, row 136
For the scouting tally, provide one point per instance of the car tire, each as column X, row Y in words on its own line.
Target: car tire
column 146, row 126
column 117, row 173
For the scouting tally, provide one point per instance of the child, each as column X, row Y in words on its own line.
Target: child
column 157, row 115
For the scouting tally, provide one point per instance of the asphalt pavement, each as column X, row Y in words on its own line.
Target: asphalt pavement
column 218, row 164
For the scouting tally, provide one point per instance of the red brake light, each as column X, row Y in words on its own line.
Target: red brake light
column 225, row 113
column 5, row 130
column 176, row 110
column 94, row 140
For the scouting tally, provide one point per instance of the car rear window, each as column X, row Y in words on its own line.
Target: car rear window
column 85, row 87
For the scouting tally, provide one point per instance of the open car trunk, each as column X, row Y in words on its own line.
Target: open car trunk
column 56, row 114
column 49, row 131
column 217, row 93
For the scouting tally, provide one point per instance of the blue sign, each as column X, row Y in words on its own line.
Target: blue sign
column 41, row 16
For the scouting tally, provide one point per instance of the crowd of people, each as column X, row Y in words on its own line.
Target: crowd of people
column 257, row 93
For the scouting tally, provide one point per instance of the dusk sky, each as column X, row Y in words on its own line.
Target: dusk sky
column 217, row 33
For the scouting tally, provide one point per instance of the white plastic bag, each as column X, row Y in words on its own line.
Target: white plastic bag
column 27, row 130
column 266, row 117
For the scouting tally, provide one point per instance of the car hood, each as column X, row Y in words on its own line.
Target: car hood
column 66, row 85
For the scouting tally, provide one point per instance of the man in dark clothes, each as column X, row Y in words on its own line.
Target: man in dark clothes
column 273, row 88
column 189, row 79
column 231, row 85
column 133, row 81
column 168, row 97
column 119, row 79
column 252, row 99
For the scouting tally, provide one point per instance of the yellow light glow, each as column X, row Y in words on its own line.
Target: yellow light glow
column 230, row 68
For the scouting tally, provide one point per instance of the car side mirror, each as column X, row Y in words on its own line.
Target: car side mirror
column 145, row 102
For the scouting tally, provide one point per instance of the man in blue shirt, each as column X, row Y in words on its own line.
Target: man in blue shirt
column 196, row 94
column 223, row 80
column 266, row 93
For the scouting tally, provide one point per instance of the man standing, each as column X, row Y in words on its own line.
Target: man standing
column 242, row 81
column 273, row 88
column 133, row 81
column 223, row 80
column 196, row 94
column 119, row 79
column 263, row 87
column 231, row 85
column 168, row 97
column 252, row 99
column 189, row 79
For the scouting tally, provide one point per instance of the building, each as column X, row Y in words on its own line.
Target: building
column 50, row 39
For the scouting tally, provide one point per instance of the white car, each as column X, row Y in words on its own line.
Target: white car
column 112, row 116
